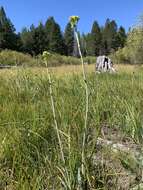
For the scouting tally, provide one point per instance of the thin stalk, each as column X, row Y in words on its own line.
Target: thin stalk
column 54, row 113
column 56, row 124
column 86, row 106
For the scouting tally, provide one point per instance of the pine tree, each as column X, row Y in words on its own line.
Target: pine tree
column 109, row 36
column 113, row 30
column 54, row 39
column 18, row 43
column 38, row 37
column 69, row 40
column 48, row 31
column 34, row 39
column 121, row 37
column 27, row 40
column 96, row 39
column 48, row 37
column 8, row 38
column 57, row 44
column 83, row 44
column 89, row 42
column 41, row 38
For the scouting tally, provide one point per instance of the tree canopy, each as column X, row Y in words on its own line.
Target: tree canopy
column 49, row 36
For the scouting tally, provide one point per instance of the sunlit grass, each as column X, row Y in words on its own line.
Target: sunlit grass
column 29, row 149
column 72, row 69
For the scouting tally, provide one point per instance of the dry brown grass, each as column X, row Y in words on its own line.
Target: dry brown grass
column 127, row 68
column 76, row 69
column 70, row 69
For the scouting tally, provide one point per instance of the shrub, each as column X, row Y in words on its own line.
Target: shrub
column 121, row 56
column 58, row 60
column 133, row 51
column 13, row 58
column 90, row 60
column 135, row 45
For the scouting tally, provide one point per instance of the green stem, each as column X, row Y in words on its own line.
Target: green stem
column 54, row 113
column 56, row 125
column 86, row 106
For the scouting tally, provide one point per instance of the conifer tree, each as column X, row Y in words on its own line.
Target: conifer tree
column 55, row 40
column 96, row 38
column 109, row 36
column 69, row 40
column 8, row 38
column 83, row 44
column 121, row 37
column 89, row 50
column 38, row 36
column 28, row 40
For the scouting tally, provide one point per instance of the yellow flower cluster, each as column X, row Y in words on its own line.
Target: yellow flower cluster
column 74, row 20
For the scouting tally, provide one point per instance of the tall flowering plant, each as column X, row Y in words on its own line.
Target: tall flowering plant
column 74, row 21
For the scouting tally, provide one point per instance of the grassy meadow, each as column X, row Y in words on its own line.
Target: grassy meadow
column 30, row 157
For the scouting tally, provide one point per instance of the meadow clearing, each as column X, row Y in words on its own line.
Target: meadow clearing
column 30, row 157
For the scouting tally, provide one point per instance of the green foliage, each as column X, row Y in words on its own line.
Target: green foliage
column 94, row 40
column 29, row 154
column 54, row 37
column 13, row 58
column 88, row 40
column 69, row 39
column 133, row 51
column 48, row 36
column 48, row 26
column 121, row 38
column 109, row 36
column 105, row 40
column 8, row 39
column 122, row 56
column 43, row 37
column 58, row 60
column 135, row 45
column 27, row 40
column 33, row 40
column 39, row 36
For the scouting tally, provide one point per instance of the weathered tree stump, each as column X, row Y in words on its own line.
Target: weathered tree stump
column 104, row 64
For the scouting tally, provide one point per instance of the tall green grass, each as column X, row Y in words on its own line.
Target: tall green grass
column 29, row 149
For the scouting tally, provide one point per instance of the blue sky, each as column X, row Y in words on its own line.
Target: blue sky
column 25, row 12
